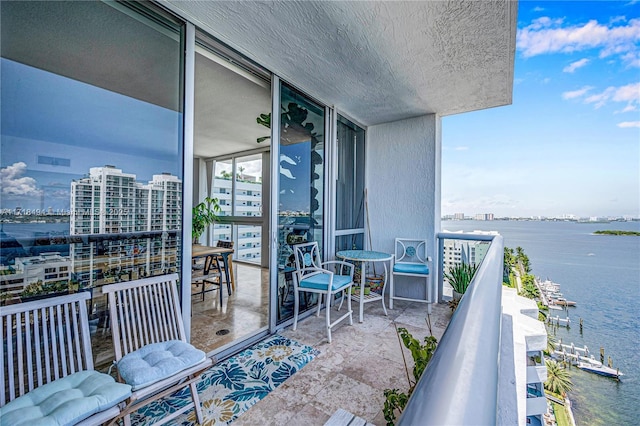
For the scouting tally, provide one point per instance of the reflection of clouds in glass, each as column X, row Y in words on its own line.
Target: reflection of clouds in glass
column 284, row 171
column 14, row 183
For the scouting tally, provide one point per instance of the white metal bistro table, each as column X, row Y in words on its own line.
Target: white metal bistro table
column 364, row 256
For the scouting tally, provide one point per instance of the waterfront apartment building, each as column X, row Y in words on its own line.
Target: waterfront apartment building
column 524, row 339
column 484, row 216
column 110, row 201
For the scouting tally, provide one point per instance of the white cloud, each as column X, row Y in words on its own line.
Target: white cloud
column 538, row 9
column 629, row 94
column 626, row 124
column 575, row 65
column 14, row 183
column 545, row 35
column 461, row 148
column 576, row 93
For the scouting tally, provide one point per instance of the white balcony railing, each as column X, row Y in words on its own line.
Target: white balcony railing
column 460, row 384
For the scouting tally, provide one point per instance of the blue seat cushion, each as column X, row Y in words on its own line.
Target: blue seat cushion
column 321, row 282
column 411, row 268
column 65, row 401
column 157, row 361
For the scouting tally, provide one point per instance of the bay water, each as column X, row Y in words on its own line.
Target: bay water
column 601, row 273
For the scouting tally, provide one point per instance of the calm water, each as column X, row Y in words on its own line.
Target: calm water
column 602, row 275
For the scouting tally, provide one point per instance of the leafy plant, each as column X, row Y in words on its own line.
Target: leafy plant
column 460, row 276
column 395, row 400
column 204, row 214
column 558, row 378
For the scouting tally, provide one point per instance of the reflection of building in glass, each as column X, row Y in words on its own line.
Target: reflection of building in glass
column 109, row 201
column 45, row 268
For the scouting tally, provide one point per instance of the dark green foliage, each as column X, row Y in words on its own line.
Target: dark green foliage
column 608, row 232
column 459, row 276
column 203, row 216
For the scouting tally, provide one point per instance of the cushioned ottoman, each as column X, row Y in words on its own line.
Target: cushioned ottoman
column 157, row 361
column 65, row 401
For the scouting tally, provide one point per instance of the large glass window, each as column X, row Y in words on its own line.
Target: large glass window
column 350, row 193
column 91, row 160
column 301, row 188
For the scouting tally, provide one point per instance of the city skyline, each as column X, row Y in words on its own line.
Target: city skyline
column 569, row 143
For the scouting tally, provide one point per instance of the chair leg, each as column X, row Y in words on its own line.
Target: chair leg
column 341, row 300
column 319, row 304
column 196, row 402
column 328, row 313
column 296, row 303
column 349, row 305
column 390, row 291
column 127, row 420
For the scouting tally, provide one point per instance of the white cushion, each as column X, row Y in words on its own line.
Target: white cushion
column 65, row 401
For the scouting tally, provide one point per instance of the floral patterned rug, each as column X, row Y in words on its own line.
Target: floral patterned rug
column 230, row 388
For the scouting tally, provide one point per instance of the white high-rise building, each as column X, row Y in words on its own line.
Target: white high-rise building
column 247, row 202
column 109, row 201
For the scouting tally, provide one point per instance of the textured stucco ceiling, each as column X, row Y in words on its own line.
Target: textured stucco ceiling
column 376, row 61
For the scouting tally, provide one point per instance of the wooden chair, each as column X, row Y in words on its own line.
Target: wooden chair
column 313, row 276
column 47, row 366
column 224, row 267
column 411, row 260
column 146, row 321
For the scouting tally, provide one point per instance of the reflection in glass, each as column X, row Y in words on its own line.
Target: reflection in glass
column 301, row 188
column 91, row 149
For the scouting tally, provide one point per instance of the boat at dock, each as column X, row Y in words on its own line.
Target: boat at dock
column 600, row 369
column 564, row 302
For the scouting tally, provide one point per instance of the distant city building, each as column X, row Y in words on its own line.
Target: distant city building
column 484, row 216
column 458, row 216
column 46, row 268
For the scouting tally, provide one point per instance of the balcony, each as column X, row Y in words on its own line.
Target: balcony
column 366, row 358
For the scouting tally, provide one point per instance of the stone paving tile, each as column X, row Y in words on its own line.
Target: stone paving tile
column 350, row 373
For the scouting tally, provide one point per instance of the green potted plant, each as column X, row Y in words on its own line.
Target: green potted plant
column 204, row 214
column 459, row 277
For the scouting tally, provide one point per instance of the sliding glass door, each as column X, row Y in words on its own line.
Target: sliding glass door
column 300, row 191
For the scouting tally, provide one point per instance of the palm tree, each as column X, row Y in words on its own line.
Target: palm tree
column 558, row 378
column 551, row 343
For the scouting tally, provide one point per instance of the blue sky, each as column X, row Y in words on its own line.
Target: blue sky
column 570, row 142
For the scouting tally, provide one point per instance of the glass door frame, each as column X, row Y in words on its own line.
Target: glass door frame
column 329, row 200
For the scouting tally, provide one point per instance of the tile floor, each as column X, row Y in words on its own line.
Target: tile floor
column 351, row 372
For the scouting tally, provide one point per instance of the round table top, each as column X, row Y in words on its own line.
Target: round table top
column 363, row 255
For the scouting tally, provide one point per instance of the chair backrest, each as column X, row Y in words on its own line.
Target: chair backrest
column 224, row 244
column 42, row 341
column 307, row 257
column 411, row 250
column 144, row 311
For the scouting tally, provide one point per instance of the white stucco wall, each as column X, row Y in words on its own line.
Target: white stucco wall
column 403, row 181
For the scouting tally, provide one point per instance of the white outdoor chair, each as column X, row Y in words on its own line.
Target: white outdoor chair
column 151, row 350
column 47, row 366
column 312, row 276
column 411, row 260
